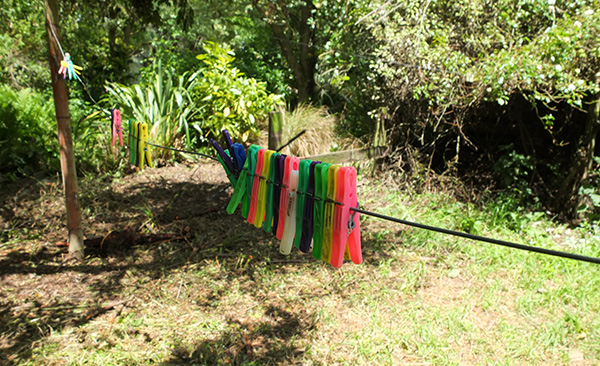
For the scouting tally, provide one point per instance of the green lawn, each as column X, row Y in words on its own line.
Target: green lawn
column 226, row 296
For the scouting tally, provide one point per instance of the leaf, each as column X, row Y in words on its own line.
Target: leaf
column 226, row 112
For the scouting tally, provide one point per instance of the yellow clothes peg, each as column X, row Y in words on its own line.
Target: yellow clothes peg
column 143, row 151
column 262, row 189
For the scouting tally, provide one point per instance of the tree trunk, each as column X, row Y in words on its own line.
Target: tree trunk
column 65, row 139
column 300, row 55
column 582, row 162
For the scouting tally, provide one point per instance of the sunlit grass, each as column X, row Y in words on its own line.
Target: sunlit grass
column 419, row 298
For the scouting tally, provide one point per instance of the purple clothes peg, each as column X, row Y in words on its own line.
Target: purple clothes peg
column 279, row 166
column 224, row 156
column 228, row 141
column 309, row 202
column 229, row 145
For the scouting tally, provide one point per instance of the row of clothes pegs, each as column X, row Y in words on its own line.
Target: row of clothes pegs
column 139, row 154
column 306, row 204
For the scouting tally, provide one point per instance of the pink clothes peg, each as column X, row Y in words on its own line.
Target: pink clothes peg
column 346, row 223
column 116, row 126
column 256, row 185
column 291, row 163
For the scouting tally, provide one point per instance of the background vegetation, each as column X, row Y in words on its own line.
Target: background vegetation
column 501, row 94
column 489, row 112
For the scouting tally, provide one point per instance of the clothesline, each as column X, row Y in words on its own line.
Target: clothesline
column 509, row 244
column 374, row 214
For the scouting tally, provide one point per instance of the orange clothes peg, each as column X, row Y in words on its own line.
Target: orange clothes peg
column 256, row 185
column 346, row 226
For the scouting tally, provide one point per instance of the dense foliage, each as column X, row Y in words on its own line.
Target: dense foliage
column 500, row 93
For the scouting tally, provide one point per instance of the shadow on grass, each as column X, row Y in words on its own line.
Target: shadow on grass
column 265, row 342
column 149, row 228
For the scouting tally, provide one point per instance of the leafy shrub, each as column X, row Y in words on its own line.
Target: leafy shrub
column 226, row 99
column 165, row 104
column 28, row 135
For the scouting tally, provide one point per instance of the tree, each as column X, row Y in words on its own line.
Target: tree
column 67, row 158
column 305, row 30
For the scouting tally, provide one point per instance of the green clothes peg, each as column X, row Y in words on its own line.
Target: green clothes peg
column 329, row 213
column 270, row 189
column 303, row 173
column 261, row 204
column 251, row 160
column 239, row 191
column 321, row 179
column 132, row 140
column 308, row 224
column 230, row 176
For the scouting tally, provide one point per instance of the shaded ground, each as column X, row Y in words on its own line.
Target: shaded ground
column 150, row 223
column 170, row 278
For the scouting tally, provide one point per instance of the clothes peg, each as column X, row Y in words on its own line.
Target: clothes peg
column 239, row 155
column 290, row 214
column 239, row 192
column 308, row 216
column 291, row 163
column 229, row 145
column 321, row 179
column 230, row 176
column 329, row 212
column 261, row 203
column 228, row 164
column 346, row 227
column 227, row 138
column 268, row 223
column 256, row 185
column 251, row 158
column 115, row 123
column 303, row 173
column 144, row 156
column 132, row 141
column 278, row 180
column 68, row 69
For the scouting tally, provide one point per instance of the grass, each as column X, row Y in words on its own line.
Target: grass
column 225, row 296
column 320, row 134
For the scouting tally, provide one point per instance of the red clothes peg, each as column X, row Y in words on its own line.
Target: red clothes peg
column 346, row 223
column 117, row 129
column 256, row 185
column 291, row 163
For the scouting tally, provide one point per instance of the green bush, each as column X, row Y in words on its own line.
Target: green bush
column 227, row 99
column 28, row 135
column 165, row 104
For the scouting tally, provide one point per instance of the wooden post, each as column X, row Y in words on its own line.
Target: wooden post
column 65, row 139
column 275, row 129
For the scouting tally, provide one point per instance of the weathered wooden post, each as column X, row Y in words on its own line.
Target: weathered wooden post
column 65, row 139
column 275, row 129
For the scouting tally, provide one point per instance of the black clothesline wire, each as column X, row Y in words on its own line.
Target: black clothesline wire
column 170, row 148
column 509, row 244
column 461, row 234
column 291, row 140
